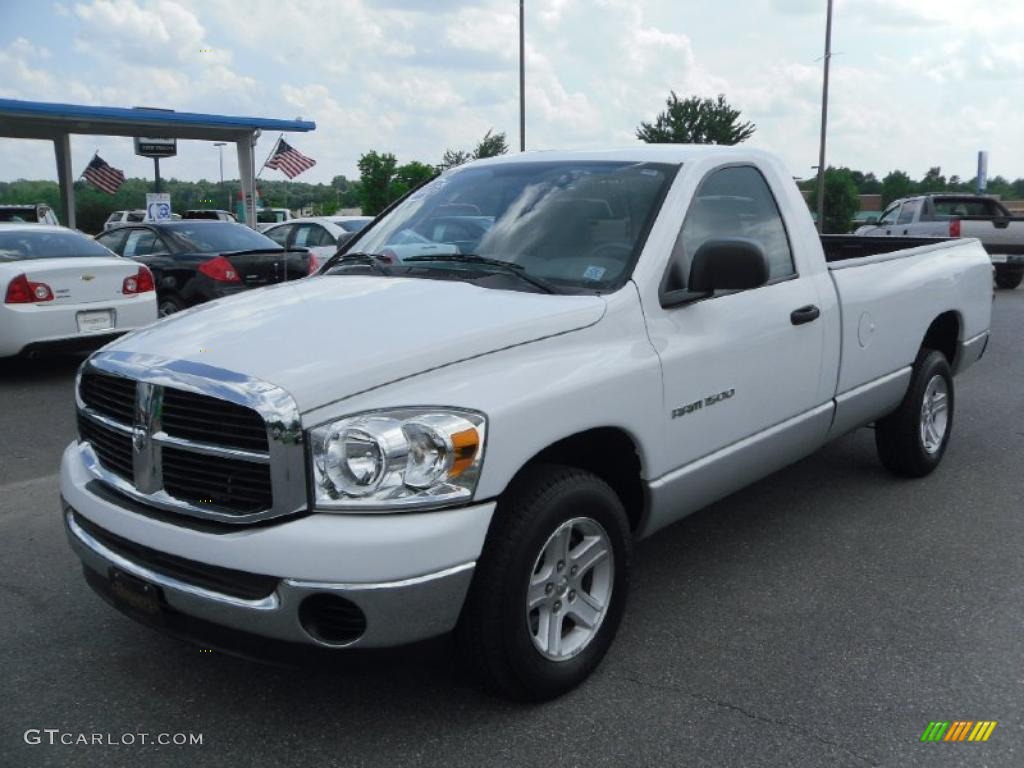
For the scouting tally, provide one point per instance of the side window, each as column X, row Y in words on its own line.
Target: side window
column 889, row 215
column 279, row 235
column 908, row 211
column 113, row 240
column 320, row 236
column 309, row 235
column 733, row 202
column 140, row 242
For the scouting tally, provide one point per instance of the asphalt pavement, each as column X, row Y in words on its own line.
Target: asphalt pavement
column 822, row 617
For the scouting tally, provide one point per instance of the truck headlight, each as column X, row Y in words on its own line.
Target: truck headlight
column 397, row 459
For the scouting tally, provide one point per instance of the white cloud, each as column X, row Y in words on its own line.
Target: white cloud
column 919, row 82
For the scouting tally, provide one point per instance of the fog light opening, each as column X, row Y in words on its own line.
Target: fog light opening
column 332, row 620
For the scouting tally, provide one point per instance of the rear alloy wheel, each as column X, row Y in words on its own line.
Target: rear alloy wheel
column 912, row 440
column 550, row 585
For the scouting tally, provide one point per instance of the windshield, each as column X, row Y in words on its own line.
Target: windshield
column 23, row 244
column 575, row 225
column 207, row 237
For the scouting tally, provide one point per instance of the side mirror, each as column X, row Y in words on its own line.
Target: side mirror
column 728, row 264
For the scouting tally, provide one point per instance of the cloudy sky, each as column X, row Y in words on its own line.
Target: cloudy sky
column 915, row 82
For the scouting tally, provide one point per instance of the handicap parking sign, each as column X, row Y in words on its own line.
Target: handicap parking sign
column 158, row 206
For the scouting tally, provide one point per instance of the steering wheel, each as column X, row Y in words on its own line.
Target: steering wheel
column 613, row 251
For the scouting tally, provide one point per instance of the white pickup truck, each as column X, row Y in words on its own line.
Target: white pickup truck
column 473, row 441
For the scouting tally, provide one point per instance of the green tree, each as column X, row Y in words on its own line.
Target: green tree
column 696, row 121
column 895, row 185
column 376, row 172
column 491, row 145
column 410, row 176
column 453, row 158
column 933, row 181
column 842, row 201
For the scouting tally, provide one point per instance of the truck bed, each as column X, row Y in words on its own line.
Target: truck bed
column 843, row 247
column 892, row 288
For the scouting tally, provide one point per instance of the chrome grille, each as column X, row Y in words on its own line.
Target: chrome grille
column 113, row 448
column 227, row 483
column 112, row 396
column 166, row 433
column 198, row 417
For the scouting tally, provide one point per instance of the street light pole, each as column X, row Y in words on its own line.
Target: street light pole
column 522, row 77
column 824, row 120
column 220, row 148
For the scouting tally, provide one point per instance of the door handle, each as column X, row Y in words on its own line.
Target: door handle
column 804, row 315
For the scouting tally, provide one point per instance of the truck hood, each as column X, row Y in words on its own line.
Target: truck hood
column 329, row 337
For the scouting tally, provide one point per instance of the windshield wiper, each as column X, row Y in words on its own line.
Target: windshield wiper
column 471, row 258
column 360, row 258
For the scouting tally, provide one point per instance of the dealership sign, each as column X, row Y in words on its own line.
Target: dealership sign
column 156, row 147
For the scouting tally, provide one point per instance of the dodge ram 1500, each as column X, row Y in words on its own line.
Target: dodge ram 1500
column 473, row 440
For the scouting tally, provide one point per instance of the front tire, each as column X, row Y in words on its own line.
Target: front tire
column 550, row 585
column 1009, row 278
column 912, row 440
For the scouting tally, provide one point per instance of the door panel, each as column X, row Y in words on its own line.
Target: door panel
column 736, row 363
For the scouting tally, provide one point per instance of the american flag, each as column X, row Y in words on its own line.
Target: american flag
column 103, row 176
column 288, row 159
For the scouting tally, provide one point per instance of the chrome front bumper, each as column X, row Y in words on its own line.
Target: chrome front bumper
column 397, row 612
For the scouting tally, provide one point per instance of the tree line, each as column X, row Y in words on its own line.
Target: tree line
column 382, row 180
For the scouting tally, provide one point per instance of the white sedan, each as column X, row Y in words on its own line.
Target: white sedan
column 61, row 290
column 320, row 234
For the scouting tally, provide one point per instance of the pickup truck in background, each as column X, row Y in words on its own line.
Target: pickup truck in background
column 968, row 216
column 474, row 440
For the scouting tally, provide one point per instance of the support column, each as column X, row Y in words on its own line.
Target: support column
column 65, row 178
column 247, row 173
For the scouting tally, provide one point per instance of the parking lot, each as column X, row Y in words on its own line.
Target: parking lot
column 821, row 617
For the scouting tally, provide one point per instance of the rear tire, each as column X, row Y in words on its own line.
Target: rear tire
column 550, row 586
column 912, row 440
column 1009, row 278
column 168, row 304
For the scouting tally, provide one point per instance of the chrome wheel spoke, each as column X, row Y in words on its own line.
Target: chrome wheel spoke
column 550, row 632
column 588, row 553
column 585, row 610
column 558, row 548
column 537, row 593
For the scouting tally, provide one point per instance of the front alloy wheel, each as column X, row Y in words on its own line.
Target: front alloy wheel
column 570, row 589
column 550, row 585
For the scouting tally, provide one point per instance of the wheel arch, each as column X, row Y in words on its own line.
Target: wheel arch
column 944, row 334
column 611, row 453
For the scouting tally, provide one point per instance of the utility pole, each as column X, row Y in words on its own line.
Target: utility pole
column 220, row 148
column 824, row 120
column 522, row 77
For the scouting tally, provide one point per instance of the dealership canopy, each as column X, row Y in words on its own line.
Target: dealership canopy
column 56, row 122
